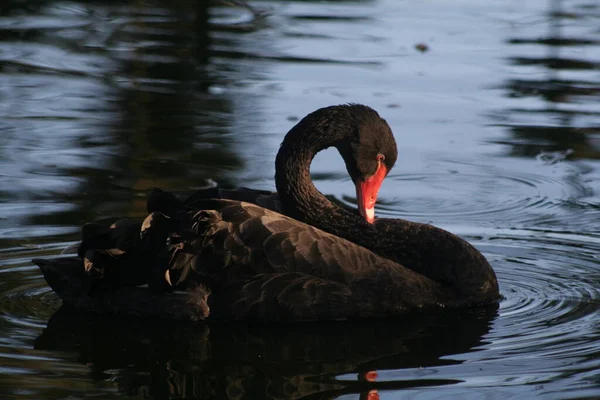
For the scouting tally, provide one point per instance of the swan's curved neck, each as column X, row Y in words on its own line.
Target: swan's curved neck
column 299, row 196
column 300, row 199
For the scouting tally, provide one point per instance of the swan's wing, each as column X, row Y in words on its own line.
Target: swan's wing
column 229, row 240
column 282, row 297
column 293, row 296
column 260, row 260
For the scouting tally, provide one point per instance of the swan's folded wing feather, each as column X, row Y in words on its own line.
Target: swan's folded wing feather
column 282, row 297
column 259, row 263
column 237, row 240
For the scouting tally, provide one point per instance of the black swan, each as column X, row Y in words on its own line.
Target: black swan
column 229, row 259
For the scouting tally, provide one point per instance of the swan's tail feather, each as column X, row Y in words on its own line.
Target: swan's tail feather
column 67, row 278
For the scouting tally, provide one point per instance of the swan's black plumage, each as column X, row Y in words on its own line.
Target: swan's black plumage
column 219, row 255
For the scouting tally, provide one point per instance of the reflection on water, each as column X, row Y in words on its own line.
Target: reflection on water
column 566, row 98
column 498, row 131
column 282, row 362
column 103, row 105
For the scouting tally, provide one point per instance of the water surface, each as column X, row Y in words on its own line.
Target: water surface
column 496, row 110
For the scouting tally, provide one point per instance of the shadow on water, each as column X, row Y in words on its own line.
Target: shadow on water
column 234, row 361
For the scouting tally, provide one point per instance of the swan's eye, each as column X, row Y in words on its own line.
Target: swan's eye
column 380, row 157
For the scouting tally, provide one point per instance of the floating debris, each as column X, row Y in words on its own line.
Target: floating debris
column 422, row 47
column 553, row 157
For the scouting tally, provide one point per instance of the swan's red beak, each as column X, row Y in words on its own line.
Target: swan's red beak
column 366, row 193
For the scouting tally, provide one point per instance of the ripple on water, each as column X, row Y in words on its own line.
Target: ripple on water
column 25, row 297
column 490, row 196
column 507, row 196
column 544, row 341
column 551, row 307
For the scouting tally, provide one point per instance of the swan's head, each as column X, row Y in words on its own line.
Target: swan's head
column 369, row 152
column 362, row 137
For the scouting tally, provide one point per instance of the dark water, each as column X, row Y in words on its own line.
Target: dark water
column 498, row 125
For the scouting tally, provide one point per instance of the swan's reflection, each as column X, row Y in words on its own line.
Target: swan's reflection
column 257, row 361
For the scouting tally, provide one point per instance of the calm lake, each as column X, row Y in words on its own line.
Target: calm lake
column 496, row 110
